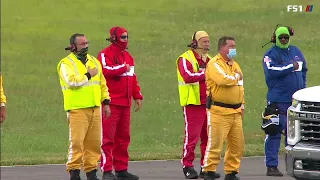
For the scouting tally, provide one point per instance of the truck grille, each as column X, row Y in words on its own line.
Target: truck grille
column 310, row 131
column 311, row 165
column 310, row 106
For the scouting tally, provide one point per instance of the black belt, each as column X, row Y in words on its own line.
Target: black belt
column 233, row 106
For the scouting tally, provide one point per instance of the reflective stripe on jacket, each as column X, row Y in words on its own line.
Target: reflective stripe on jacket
column 225, row 85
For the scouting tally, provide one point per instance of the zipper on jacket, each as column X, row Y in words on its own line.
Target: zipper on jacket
column 295, row 73
column 92, row 86
column 127, row 77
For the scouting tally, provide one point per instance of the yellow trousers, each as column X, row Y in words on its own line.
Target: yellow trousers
column 84, row 139
column 223, row 128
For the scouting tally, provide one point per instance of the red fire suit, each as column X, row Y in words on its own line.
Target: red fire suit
column 123, row 86
column 195, row 116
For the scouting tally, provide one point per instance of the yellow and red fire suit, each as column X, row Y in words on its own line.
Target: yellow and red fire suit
column 225, row 87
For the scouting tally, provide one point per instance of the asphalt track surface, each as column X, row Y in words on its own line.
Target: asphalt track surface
column 251, row 169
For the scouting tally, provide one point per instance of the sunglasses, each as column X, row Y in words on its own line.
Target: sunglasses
column 283, row 37
column 124, row 37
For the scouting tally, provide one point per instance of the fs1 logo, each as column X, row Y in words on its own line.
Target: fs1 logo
column 299, row 8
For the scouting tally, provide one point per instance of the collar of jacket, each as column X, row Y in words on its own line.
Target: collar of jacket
column 116, row 48
column 82, row 59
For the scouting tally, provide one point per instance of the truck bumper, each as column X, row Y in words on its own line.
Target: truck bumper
column 303, row 161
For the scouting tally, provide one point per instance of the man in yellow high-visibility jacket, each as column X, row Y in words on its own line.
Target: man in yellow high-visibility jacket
column 192, row 93
column 224, row 81
column 3, row 101
column 84, row 89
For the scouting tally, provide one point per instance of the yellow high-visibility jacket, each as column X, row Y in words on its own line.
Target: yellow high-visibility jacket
column 3, row 99
column 224, row 84
column 189, row 93
column 79, row 91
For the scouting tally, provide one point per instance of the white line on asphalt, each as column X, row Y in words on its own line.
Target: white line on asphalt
column 130, row 161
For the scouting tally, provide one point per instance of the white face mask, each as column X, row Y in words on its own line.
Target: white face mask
column 232, row 53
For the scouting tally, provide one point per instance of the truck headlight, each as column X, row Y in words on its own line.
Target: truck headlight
column 298, row 164
column 294, row 103
column 291, row 125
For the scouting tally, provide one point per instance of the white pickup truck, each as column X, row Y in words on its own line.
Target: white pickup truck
column 303, row 135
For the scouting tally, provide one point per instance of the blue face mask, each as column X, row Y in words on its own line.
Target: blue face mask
column 232, row 53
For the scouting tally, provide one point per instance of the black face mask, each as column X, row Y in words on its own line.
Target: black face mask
column 82, row 54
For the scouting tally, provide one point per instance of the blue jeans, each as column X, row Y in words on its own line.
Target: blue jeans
column 272, row 143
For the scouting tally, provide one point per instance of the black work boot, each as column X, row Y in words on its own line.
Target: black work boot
column 201, row 174
column 190, row 173
column 109, row 176
column 125, row 175
column 273, row 171
column 211, row 175
column 231, row 176
column 75, row 174
column 92, row 175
